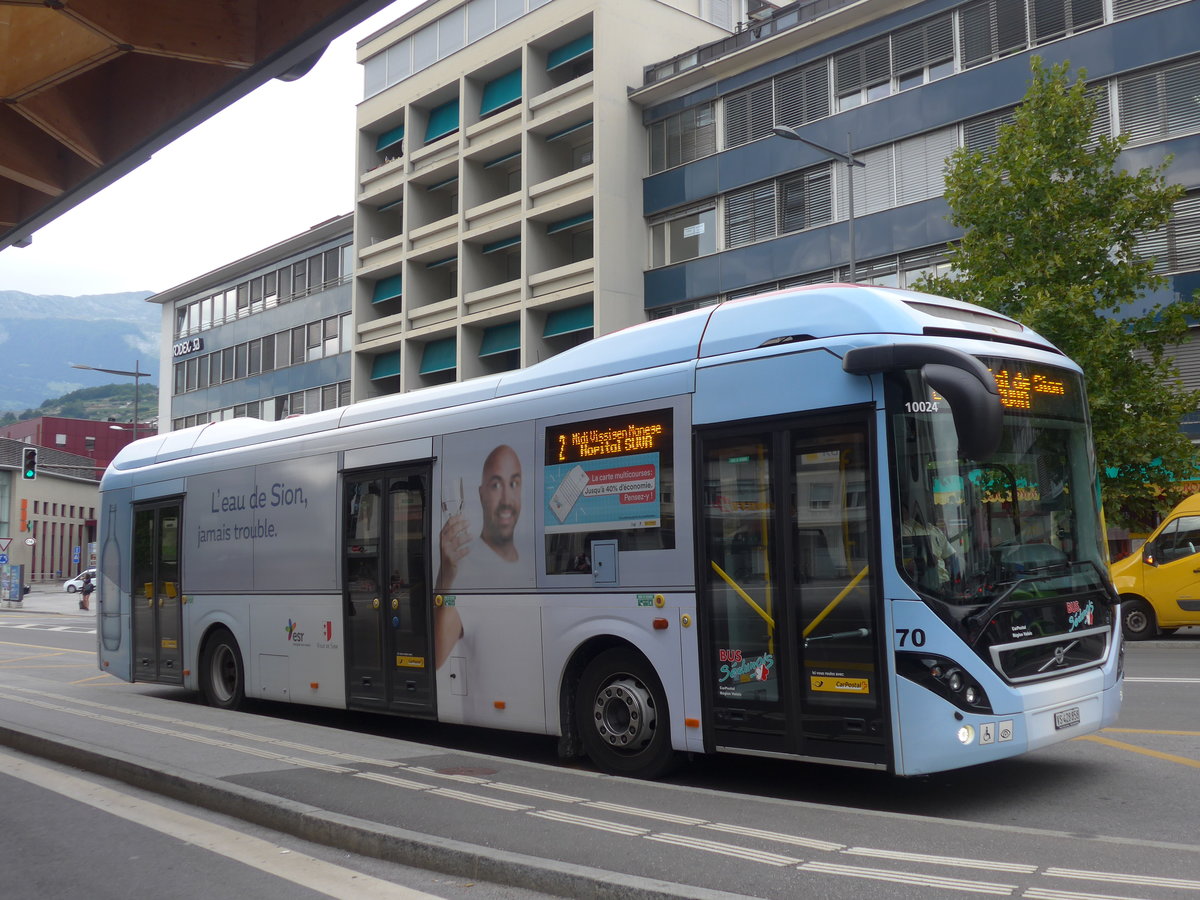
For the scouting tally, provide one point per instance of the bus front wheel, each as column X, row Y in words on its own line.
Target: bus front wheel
column 622, row 713
column 1137, row 619
column 222, row 674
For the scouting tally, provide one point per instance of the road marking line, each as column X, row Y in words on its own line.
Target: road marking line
column 1186, row 884
column 6, row 662
column 91, row 653
column 1132, row 748
column 955, row 884
column 274, row 859
column 810, row 843
column 480, row 800
column 588, row 822
column 393, row 781
column 93, row 678
column 1021, row 868
column 1149, row 731
column 1051, row 894
column 448, row 776
column 645, row 813
column 535, row 792
column 762, row 856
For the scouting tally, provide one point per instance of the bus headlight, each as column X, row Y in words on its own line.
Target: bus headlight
column 966, row 734
column 946, row 679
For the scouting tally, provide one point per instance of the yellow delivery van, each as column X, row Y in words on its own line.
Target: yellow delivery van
column 1160, row 584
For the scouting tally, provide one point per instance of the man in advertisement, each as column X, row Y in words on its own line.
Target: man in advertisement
column 465, row 562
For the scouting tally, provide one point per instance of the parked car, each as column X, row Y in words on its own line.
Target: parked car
column 1160, row 584
column 73, row 584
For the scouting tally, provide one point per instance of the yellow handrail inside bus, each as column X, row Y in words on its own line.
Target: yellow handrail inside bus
column 836, row 600
column 749, row 600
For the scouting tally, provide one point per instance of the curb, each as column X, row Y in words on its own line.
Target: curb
column 353, row 834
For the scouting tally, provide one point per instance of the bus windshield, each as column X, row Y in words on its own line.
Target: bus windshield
column 968, row 530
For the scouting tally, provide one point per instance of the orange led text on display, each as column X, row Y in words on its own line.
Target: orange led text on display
column 1019, row 390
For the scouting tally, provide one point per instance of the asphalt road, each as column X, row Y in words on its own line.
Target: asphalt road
column 1108, row 815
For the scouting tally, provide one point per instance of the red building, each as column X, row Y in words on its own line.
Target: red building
column 98, row 440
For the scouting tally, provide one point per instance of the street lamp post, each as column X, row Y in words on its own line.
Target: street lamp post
column 137, row 375
column 848, row 158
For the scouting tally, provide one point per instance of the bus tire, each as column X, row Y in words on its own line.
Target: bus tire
column 621, row 710
column 1137, row 619
column 222, row 673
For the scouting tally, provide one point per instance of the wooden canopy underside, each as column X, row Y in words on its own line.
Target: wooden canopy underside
column 91, row 85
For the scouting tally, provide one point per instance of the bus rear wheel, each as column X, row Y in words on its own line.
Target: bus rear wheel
column 222, row 674
column 1137, row 619
column 622, row 713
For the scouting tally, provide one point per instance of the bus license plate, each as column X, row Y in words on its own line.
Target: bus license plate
column 1066, row 718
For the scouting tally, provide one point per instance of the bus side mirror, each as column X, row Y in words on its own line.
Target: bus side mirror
column 959, row 377
column 977, row 413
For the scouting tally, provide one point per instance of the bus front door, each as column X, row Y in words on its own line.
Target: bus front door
column 155, row 594
column 791, row 664
column 389, row 657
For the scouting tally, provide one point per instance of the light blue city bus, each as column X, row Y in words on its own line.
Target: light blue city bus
column 839, row 523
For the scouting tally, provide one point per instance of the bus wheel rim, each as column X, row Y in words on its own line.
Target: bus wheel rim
column 224, row 674
column 624, row 714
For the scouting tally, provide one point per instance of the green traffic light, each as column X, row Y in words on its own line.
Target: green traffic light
column 29, row 456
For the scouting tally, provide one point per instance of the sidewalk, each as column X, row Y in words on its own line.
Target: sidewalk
column 50, row 598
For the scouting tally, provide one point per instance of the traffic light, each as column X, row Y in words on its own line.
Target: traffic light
column 29, row 458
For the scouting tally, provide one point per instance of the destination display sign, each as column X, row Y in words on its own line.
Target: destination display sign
column 1039, row 390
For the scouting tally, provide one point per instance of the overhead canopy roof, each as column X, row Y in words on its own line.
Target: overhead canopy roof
column 90, row 89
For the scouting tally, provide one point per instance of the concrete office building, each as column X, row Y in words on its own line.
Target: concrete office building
column 267, row 336
column 733, row 209
column 498, row 218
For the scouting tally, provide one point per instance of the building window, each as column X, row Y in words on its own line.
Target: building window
column 683, row 137
column 805, row 200
column 1051, row 19
column 683, row 235
column 60, row 440
column 923, row 52
column 1160, row 103
column 1175, row 247
column 750, row 214
column 749, row 115
column 991, row 29
column 863, row 74
column 802, row 96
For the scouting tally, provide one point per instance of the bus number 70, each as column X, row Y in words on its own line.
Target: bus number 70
column 918, row 636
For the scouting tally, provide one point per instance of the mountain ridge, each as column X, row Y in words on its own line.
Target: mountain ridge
column 42, row 336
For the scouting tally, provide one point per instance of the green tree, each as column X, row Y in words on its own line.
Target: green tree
column 1049, row 224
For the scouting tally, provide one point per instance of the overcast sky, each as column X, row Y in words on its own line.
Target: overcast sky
column 268, row 167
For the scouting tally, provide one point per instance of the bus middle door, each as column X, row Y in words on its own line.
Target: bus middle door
column 389, row 653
